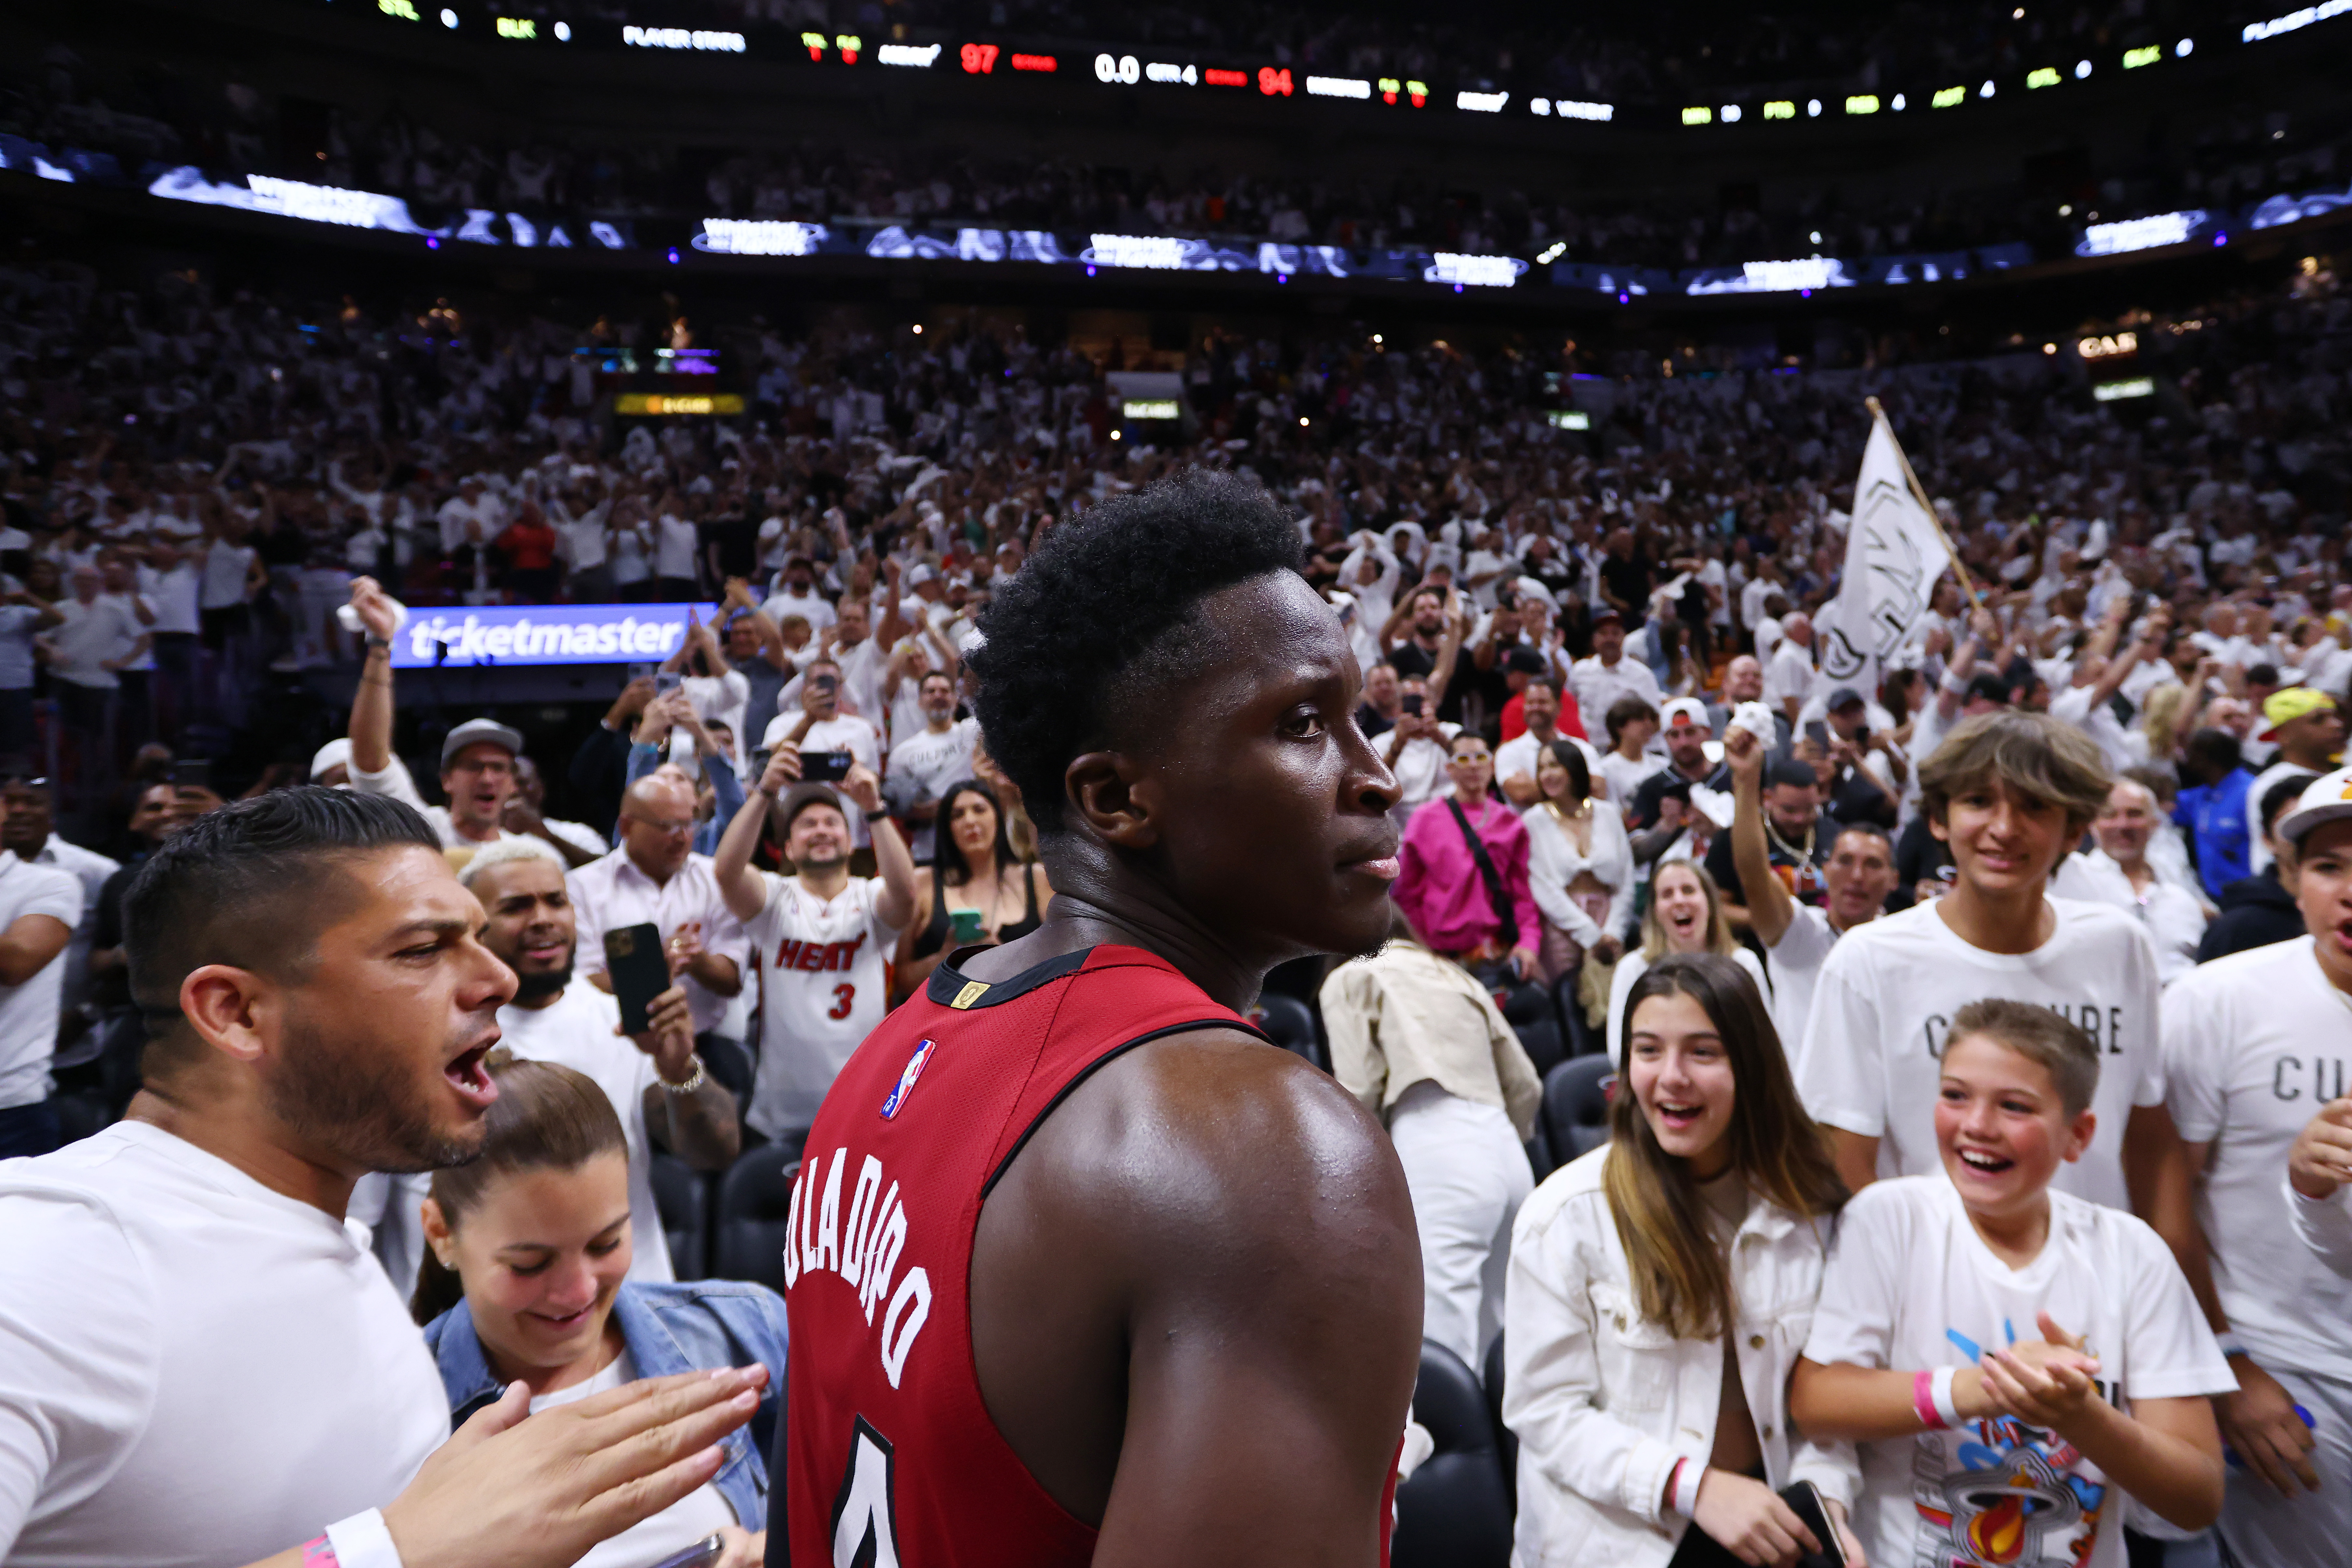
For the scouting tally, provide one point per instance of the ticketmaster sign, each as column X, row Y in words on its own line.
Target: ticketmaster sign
column 541, row 633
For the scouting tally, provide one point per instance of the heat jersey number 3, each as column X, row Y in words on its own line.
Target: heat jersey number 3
column 865, row 1530
column 843, row 996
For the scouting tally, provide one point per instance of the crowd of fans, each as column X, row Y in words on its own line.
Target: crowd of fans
column 1593, row 665
column 2224, row 157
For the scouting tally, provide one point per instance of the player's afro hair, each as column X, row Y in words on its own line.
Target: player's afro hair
column 1101, row 613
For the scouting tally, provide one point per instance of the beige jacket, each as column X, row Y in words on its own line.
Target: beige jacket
column 1405, row 1014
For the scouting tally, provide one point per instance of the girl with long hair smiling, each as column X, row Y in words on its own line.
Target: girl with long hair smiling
column 1661, row 1289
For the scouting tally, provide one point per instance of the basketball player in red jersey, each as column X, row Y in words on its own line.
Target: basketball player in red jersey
column 1081, row 1269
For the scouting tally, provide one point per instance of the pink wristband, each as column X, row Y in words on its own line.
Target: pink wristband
column 1923, row 1401
column 319, row 1553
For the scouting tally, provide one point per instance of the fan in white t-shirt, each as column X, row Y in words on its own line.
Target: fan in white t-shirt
column 929, row 759
column 1515, row 759
column 200, row 1363
column 1415, row 748
column 820, row 938
column 2008, row 1357
column 656, row 1081
column 2253, row 1045
column 1797, row 937
column 2008, row 793
column 2119, row 873
column 812, row 719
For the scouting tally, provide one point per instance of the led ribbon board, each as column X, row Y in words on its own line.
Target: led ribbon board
column 541, row 633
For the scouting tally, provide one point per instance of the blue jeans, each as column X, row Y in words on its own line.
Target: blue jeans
column 29, row 1129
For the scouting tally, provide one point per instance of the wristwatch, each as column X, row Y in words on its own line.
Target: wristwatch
column 694, row 1080
column 877, row 814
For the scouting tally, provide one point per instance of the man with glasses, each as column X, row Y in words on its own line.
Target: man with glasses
column 656, row 875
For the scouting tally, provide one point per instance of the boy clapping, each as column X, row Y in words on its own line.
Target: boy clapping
column 1979, row 1443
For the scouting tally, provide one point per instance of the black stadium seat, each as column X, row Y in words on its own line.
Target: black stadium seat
column 682, row 1194
column 731, row 1063
column 1527, row 1009
column 1455, row 1510
column 1575, row 1106
column 1288, row 1022
column 1506, row 1442
column 753, row 1220
column 1539, row 1157
column 1581, row 1037
column 80, row 1114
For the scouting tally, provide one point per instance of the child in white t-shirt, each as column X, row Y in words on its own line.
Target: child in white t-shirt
column 2008, row 1357
column 2008, row 793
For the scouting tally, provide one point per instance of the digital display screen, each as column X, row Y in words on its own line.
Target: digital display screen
column 2141, row 233
column 660, row 403
column 541, row 633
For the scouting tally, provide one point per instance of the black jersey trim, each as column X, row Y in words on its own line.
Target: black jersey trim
column 948, row 985
column 1243, row 1025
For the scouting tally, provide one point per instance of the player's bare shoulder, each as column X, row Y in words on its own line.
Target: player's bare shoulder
column 1213, row 1131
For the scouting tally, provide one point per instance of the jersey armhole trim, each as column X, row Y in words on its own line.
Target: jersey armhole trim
column 1243, row 1024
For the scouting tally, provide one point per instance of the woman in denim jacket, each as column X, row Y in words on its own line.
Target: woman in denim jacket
column 1659, row 1294
column 526, row 1251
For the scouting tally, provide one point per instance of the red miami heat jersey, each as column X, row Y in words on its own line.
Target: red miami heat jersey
column 892, row 1455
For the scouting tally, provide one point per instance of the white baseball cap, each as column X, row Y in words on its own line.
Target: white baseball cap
column 2328, row 797
column 1689, row 709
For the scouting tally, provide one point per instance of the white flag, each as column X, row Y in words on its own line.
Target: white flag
column 1893, row 556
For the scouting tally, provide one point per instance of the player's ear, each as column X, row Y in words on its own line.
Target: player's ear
column 1102, row 797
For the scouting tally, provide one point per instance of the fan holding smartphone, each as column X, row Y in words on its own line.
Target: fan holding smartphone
column 1660, row 1292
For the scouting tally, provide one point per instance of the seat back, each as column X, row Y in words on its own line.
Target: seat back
column 731, row 1063
column 1575, row 1106
column 682, row 1195
column 1506, row 1442
column 81, row 1113
column 1578, row 1036
column 753, row 1220
column 1288, row 1022
column 1528, row 1008
column 1455, row 1510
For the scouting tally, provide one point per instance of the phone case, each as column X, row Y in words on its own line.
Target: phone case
column 1700, row 1549
column 633, row 955
column 701, row 1554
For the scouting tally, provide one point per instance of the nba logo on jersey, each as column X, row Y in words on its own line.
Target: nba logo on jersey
column 915, row 1065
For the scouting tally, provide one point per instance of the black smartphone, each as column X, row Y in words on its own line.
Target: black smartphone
column 633, row 956
column 195, row 773
column 1804, row 1501
column 1699, row 1550
column 824, row 683
column 760, row 765
column 826, row 767
column 1818, row 732
column 1412, row 703
column 637, row 672
column 667, row 681
column 701, row 1554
